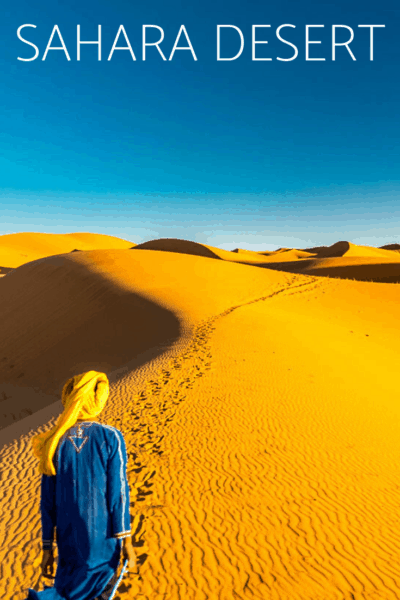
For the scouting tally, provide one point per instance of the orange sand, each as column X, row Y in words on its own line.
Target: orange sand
column 342, row 260
column 260, row 410
column 19, row 248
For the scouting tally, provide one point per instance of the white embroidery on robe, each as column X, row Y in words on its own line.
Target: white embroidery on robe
column 79, row 440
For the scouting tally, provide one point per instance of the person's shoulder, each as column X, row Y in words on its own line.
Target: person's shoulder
column 110, row 430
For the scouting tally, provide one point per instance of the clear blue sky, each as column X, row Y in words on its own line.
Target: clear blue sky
column 255, row 154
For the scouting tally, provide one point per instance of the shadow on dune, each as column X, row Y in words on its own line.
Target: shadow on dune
column 342, row 260
column 336, row 250
column 4, row 270
column 314, row 249
column 378, row 272
column 60, row 318
column 395, row 247
column 294, row 266
column 179, row 246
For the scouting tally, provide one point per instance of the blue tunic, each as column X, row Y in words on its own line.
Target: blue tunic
column 87, row 501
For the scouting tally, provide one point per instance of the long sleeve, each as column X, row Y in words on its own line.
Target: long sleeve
column 48, row 509
column 117, row 487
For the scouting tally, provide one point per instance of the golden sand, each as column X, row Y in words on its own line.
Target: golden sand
column 260, row 410
column 342, row 260
column 19, row 248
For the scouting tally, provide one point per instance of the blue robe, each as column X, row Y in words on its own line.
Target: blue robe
column 87, row 501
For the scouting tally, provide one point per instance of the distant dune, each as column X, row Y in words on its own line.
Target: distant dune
column 348, row 249
column 181, row 247
column 346, row 260
column 19, row 248
column 244, row 251
column 391, row 247
column 359, row 268
column 286, row 255
column 314, row 249
column 342, row 260
column 195, row 249
column 275, row 255
column 268, row 252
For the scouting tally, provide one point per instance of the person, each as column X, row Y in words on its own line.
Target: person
column 84, row 497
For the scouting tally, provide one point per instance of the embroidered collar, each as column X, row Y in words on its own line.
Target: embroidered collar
column 78, row 439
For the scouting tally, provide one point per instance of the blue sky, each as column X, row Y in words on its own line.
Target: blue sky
column 255, row 154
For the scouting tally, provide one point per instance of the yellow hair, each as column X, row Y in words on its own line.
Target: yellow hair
column 83, row 397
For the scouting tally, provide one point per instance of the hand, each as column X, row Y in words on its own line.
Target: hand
column 47, row 565
column 129, row 554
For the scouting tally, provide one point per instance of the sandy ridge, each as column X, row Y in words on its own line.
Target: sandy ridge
column 19, row 248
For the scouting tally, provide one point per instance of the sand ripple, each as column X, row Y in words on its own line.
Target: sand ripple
column 258, row 468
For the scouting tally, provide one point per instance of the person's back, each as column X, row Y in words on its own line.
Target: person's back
column 84, row 496
column 91, row 490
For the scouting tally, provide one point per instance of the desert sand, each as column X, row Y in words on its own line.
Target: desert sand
column 342, row 260
column 19, row 248
column 259, row 406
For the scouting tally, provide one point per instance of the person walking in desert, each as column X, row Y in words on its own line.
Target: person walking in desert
column 84, row 496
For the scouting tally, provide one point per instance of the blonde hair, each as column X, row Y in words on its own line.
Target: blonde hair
column 83, row 397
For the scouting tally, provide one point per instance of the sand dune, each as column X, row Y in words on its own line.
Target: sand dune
column 181, row 247
column 263, row 253
column 287, row 255
column 283, row 249
column 273, row 475
column 352, row 267
column 193, row 248
column 342, row 260
column 99, row 309
column 314, row 249
column 395, row 247
column 348, row 249
column 358, row 267
column 268, row 252
column 19, row 248
column 244, row 251
column 263, row 451
column 246, row 257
